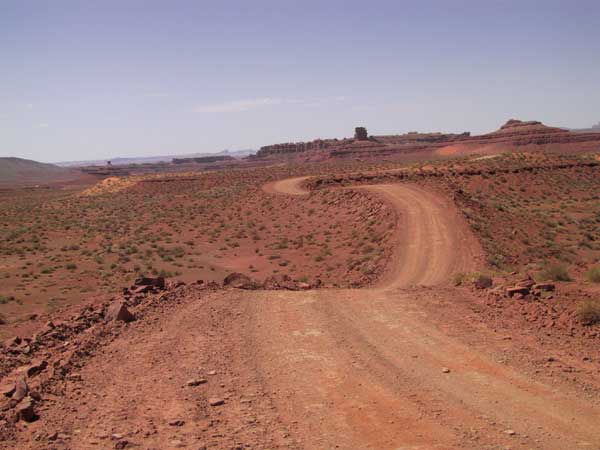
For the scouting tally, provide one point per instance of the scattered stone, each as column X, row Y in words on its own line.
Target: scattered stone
column 215, row 401
column 120, row 445
column 21, row 390
column 517, row 290
column 212, row 372
column 510, row 432
column 197, row 382
column 527, row 282
column 36, row 367
column 117, row 311
column 141, row 289
column 25, row 410
column 446, row 370
column 176, row 423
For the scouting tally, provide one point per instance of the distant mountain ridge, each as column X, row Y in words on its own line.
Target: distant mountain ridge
column 592, row 129
column 123, row 161
column 18, row 172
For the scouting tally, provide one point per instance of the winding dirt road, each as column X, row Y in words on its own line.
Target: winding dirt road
column 392, row 367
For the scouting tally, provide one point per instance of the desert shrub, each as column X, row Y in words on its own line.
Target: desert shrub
column 589, row 312
column 555, row 272
column 459, row 278
column 594, row 274
column 5, row 299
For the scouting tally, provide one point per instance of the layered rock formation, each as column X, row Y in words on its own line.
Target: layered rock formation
column 294, row 147
column 514, row 135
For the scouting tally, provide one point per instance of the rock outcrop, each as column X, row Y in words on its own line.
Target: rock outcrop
column 294, row 147
column 360, row 134
column 512, row 136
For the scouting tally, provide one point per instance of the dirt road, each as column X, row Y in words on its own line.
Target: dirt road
column 397, row 366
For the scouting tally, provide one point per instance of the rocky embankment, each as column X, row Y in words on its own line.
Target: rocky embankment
column 36, row 366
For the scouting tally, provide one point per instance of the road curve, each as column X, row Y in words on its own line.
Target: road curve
column 433, row 241
column 289, row 186
column 390, row 368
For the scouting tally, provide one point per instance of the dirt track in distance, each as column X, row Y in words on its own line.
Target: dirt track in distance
column 379, row 368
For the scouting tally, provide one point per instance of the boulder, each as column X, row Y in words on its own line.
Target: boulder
column 21, row 390
column 215, row 401
column 483, row 282
column 240, row 281
column 517, row 290
column 527, row 282
column 158, row 282
column 117, row 311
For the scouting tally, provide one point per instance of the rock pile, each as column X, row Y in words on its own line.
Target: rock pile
column 31, row 366
column 527, row 288
column 274, row 282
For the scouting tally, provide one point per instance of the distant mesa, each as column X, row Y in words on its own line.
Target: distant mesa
column 514, row 135
column 294, row 147
column 532, row 126
column 203, row 159
column 514, row 123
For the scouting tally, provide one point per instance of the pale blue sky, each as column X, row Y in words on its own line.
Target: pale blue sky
column 100, row 79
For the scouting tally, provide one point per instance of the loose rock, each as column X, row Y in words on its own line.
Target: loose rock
column 117, row 311
column 25, row 410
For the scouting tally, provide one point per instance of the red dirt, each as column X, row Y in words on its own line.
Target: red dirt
column 405, row 364
column 62, row 247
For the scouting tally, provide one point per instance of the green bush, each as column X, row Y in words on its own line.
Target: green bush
column 589, row 312
column 556, row 272
column 594, row 274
